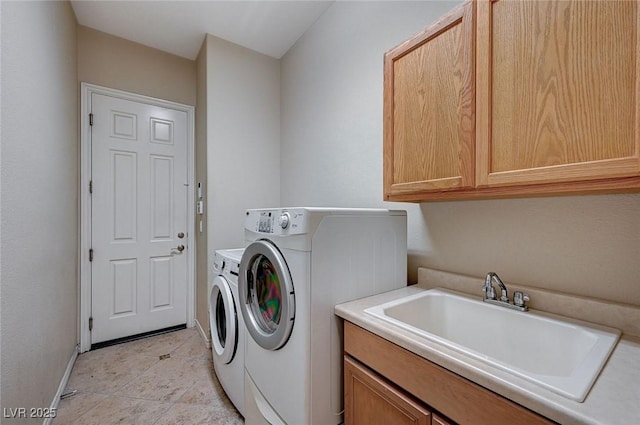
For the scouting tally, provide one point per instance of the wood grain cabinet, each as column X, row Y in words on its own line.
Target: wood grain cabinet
column 428, row 108
column 439, row 420
column 556, row 95
column 558, row 91
column 386, row 384
column 370, row 400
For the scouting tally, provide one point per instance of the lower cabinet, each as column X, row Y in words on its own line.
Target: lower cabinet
column 370, row 400
column 386, row 384
column 438, row 420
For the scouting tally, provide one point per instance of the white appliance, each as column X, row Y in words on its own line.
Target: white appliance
column 227, row 325
column 299, row 263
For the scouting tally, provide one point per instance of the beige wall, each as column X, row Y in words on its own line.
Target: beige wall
column 201, row 176
column 117, row 63
column 584, row 245
column 39, row 202
column 332, row 156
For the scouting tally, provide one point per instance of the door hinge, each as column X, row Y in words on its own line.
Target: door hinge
column 91, row 254
column 91, row 119
column 90, row 186
column 90, row 323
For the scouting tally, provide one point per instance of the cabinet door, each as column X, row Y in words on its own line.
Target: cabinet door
column 428, row 109
column 456, row 397
column 369, row 400
column 558, row 91
column 439, row 420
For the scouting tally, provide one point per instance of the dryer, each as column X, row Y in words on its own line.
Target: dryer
column 227, row 325
column 298, row 264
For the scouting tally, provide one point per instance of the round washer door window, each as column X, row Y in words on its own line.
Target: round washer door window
column 266, row 295
column 223, row 320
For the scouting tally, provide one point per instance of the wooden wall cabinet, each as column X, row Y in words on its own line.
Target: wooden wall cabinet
column 391, row 382
column 557, row 101
column 558, row 95
column 428, row 108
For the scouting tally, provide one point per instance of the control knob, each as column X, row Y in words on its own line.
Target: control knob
column 284, row 220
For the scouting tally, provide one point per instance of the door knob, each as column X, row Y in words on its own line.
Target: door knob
column 180, row 235
column 178, row 249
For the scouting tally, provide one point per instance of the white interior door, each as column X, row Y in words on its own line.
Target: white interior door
column 139, row 273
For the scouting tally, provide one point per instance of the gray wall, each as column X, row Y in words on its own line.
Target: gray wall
column 243, row 143
column 39, row 201
column 331, row 155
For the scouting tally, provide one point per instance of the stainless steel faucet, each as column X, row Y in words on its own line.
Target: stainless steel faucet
column 491, row 276
column 519, row 298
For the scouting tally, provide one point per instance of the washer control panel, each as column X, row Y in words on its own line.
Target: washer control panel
column 276, row 222
column 227, row 267
column 265, row 223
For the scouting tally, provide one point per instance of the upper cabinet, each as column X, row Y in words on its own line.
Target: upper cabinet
column 428, row 108
column 557, row 104
column 558, row 91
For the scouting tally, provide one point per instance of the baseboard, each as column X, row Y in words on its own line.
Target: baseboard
column 63, row 384
column 203, row 335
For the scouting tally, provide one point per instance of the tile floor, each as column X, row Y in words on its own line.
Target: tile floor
column 130, row 384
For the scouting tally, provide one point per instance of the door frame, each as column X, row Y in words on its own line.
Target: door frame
column 84, row 299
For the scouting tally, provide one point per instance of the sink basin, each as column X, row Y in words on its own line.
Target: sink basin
column 561, row 354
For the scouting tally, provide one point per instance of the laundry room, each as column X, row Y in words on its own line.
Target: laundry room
column 279, row 127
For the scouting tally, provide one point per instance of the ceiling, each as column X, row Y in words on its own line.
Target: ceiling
column 179, row 26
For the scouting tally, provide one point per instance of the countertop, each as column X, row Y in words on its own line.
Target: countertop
column 614, row 398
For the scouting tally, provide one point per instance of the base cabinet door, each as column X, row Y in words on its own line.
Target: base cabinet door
column 439, row 420
column 387, row 384
column 369, row 400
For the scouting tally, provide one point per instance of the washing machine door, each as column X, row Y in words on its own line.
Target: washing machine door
column 223, row 321
column 267, row 299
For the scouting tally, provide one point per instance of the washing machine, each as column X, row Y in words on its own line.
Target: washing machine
column 227, row 325
column 298, row 264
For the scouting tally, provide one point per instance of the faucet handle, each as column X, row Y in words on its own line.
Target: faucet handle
column 489, row 291
column 520, row 299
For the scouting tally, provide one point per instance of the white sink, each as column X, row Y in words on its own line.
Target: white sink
column 558, row 353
